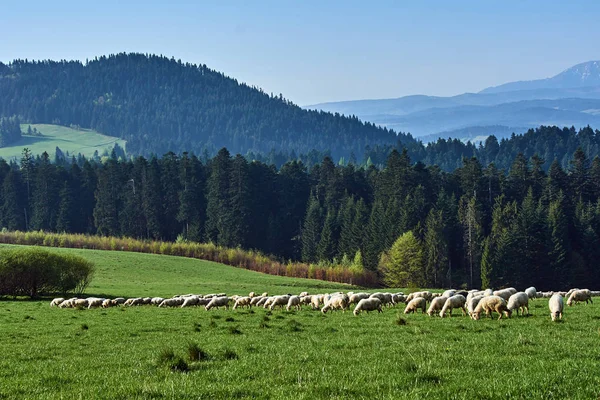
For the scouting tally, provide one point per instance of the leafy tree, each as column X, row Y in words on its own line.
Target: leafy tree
column 402, row 265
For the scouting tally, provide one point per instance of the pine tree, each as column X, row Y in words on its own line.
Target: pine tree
column 311, row 231
column 14, row 205
column 235, row 224
column 327, row 243
column 218, row 204
column 108, row 202
column 436, row 249
column 44, row 196
column 559, row 242
column 472, row 231
column 402, row 265
column 66, row 212
column 151, row 199
column 579, row 176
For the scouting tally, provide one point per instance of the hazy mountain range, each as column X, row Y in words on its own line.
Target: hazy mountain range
column 571, row 98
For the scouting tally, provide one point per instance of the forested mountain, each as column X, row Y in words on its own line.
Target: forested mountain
column 571, row 98
column 159, row 104
column 475, row 226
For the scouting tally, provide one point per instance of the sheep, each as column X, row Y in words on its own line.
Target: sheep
column 315, row 302
column 251, row 295
column 80, row 303
column 436, row 305
column 56, row 302
column 356, row 297
column 294, row 301
column 190, row 301
column 427, row 295
column 67, row 303
column 505, row 293
column 173, row 302
column 94, row 302
column 556, row 306
column 147, row 300
column 119, row 300
column 531, row 292
column 210, row 296
column 108, row 303
column 368, row 305
column 156, row 301
column 305, row 300
column 336, row 302
column 472, row 304
column 580, row 295
column 449, row 293
column 415, row 304
column 280, row 301
column 265, row 294
column 303, row 294
column 488, row 292
column 255, row 300
column 456, row 301
column 217, row 302
column 489, row 304
column 265, row 302
column 242, row 302
column 518, row 301
column 398, row 298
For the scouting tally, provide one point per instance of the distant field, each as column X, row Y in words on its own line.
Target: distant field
column 83, row 141
column 114, row 353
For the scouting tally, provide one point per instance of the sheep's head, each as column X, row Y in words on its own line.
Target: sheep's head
column 570, row 302
column 476, row 315
column 554, row 315
column 508, row 313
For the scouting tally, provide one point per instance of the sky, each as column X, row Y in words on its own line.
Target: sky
column 320, row 51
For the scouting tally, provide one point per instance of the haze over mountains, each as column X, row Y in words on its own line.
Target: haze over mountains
column 571, row 98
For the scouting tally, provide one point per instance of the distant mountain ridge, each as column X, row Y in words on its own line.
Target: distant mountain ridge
column 581, row 75
column 567, row 99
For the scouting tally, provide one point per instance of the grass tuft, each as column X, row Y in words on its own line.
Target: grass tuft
column 167, row 358
column 234, row 330
column 84, row 327
column 196, row 326
column 294, row 326
column 400, row 320
column 229, row 354
column 229, row 319
column 195, row 353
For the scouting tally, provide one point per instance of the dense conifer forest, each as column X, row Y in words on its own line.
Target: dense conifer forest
column 416, row 225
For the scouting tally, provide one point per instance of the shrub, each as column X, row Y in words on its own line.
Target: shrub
column 32, row 272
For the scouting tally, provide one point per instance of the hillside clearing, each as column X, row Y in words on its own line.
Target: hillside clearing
column 83, row 141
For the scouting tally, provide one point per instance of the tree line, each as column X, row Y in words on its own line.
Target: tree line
column 415, row 225
column 10, row 131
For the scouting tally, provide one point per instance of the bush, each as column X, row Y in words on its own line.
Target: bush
column 33, row 272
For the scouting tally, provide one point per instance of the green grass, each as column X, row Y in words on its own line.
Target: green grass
column 147, row 352
column 84, row 141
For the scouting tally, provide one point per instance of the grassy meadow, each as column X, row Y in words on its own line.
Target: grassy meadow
column 123, row 353
column 84, row 141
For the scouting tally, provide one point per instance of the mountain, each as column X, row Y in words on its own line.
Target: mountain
column 570, row 98
column 581, row 75
column 159, row 104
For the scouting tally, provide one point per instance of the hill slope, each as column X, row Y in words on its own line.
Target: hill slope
column 158, row 104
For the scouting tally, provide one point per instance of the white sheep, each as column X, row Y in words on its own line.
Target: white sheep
column 217, row 302
column 303, row 294
column 489, row 304
column 580, row 295
column 505, row 293
column 518, row 301
column 368, row 305
column 472, row 303
column 356, row 297
column 80, row 303
column 294, row 301
column 456, row 301
column 190, row 301
column 119, row 300
column 449, row 293
column 251, row 295
column 335, row 303
column 488, row 292
column 156, row 300
column 94, row 302
column 172, row 302
column 531, row 292
column 56, row 302
column 436, row 305
column 315, row 301
column 242, row 302
column 108, row 303
column 416, row 304
column 280, row 301
column 255, row 300
column 556, row 306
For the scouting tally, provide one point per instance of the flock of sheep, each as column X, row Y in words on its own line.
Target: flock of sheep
column 472, row 303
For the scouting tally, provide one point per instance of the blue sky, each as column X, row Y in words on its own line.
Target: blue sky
column 317, row 51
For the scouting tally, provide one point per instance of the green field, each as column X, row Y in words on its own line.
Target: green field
column 115, row 353
column 84, row 141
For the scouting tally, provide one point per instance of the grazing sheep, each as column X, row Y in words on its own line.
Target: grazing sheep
column 315, row 301
column 305, row 300
column 218, row 302
column 489, row 304
column 456, row 301
column 210, row 296
column 94, row 302
column 156, row 301
column 108, row 303
column 265, row 294
column 56, row 302
column 368, row 305
column 436, row 305
column 268, row 301
column 169, row 303
column 531, row 292
column 303, row 294
column 255, row 300
column 356, row 297
column 448, row 293
column 252, row 295
column 242, row 302
column 80, row 303
column 518, row 301
column 472, row 304
column 580, row 295
column 505, row 293
column 416, row 304
column 488, row 292
column 335, row 303
column 190, row 301
column 280, row 301
column 147, row 300
column 398, row 298
column 427, row 295
column 294, row 301
column 119, row 300
column 556, row 306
